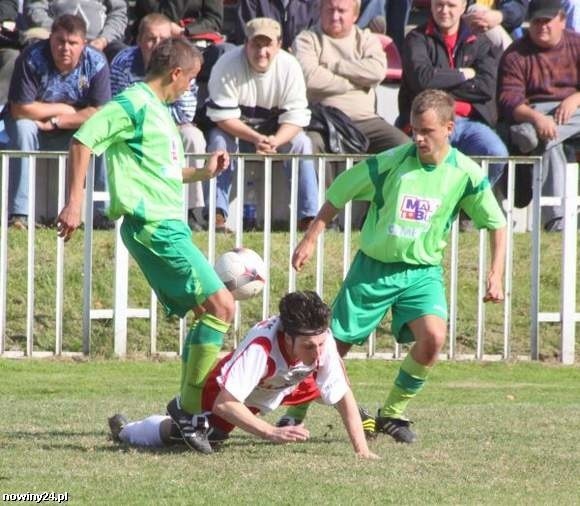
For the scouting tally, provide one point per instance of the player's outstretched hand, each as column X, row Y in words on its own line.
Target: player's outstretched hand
column 216, row 163
column 302, row 253
column 494, row 290
column 289, row 434
column 368, row 455
column 68, row 221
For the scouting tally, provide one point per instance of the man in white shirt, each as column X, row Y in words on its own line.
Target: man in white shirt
column 288, row 359
column 257, row 98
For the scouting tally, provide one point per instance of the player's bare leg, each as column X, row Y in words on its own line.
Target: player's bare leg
column 429, row 332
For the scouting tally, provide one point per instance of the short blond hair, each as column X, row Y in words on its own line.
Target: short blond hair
column 441, row 102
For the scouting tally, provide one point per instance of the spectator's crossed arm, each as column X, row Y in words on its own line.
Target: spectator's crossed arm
column 319, row 78
column 369, row 70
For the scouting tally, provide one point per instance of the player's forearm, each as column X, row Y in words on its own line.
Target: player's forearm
column 326, row 214
column 240, row 416
column 78, row 159
column 191, row 175
column 349, row 413
column 497, row 241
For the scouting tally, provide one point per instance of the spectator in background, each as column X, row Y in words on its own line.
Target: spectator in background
column 56, row 86
column 342, row 65
column 293, row 16
column 390, row 16
column 445, row 54
column 198, row 20
column 8, row 45
column 190, row 17
column 106, row 20
column 129, row 67
column 539, row 83
column 500, row 20
column 572, row 10
column 257, row 96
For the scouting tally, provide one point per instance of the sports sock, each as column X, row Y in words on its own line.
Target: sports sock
column 408, row 383
column 144, row 432
column 203, row 343
column 299, row 411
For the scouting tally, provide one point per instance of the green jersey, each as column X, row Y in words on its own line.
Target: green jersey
column 144, row 155
column 412, row 205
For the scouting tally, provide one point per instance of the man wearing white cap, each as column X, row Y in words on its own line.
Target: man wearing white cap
column 257, row 98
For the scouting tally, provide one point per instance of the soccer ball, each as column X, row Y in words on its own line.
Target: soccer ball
column 243, row 272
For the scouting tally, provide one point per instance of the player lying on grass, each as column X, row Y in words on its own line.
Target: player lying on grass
column 415, row 192
column 290, row 358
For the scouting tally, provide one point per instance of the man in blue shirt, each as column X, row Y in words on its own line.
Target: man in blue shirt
column 129, row 67
column 57, row 85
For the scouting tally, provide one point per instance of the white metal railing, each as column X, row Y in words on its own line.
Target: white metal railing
column 120, row 313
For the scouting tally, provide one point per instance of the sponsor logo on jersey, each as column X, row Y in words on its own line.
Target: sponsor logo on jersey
column 418, row 209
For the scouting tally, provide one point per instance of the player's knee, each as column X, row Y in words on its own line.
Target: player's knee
column 433, row 341
column 221, row 305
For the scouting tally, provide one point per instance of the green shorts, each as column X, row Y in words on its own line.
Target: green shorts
column 175, row 268
column 372, row 287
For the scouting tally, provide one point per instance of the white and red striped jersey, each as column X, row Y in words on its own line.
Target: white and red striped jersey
column 260, row 374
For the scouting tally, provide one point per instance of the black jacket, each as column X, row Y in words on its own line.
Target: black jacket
column 426, row 65
column 203, row 15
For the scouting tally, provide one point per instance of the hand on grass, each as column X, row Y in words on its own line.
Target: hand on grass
column 368, row 455
column 289, row 434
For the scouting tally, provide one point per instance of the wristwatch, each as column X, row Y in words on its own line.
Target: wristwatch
column 54, row 121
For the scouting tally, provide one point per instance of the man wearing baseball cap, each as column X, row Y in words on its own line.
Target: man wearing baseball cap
column 257, row 100
column 539, row 83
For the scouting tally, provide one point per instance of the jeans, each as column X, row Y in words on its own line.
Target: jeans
column 477, row 139
column 307, row 182
column 554, row 157
column 25, row 136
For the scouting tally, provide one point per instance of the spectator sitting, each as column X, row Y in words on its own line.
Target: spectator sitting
column 129, row 67
column 498, row 19
column 390, row 16
column 199, row 20
column 56, row 86
column 539, row 79
column 444, row 54
column 8, row 45
column 292, row 16
column 257, row 95
column 106, row 20
column 342, row 65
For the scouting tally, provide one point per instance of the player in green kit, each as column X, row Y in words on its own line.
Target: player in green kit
column 146, row 171
column 415, row 192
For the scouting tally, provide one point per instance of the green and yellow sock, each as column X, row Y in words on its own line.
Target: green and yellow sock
column 409, row 382
column 202, row 345
column 299, row 411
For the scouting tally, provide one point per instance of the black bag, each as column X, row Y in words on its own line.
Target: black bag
column 338, row 131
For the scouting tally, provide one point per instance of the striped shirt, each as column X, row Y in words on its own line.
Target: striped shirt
column 128, row 68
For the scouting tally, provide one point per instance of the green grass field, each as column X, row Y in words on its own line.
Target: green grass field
column 489, row 434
